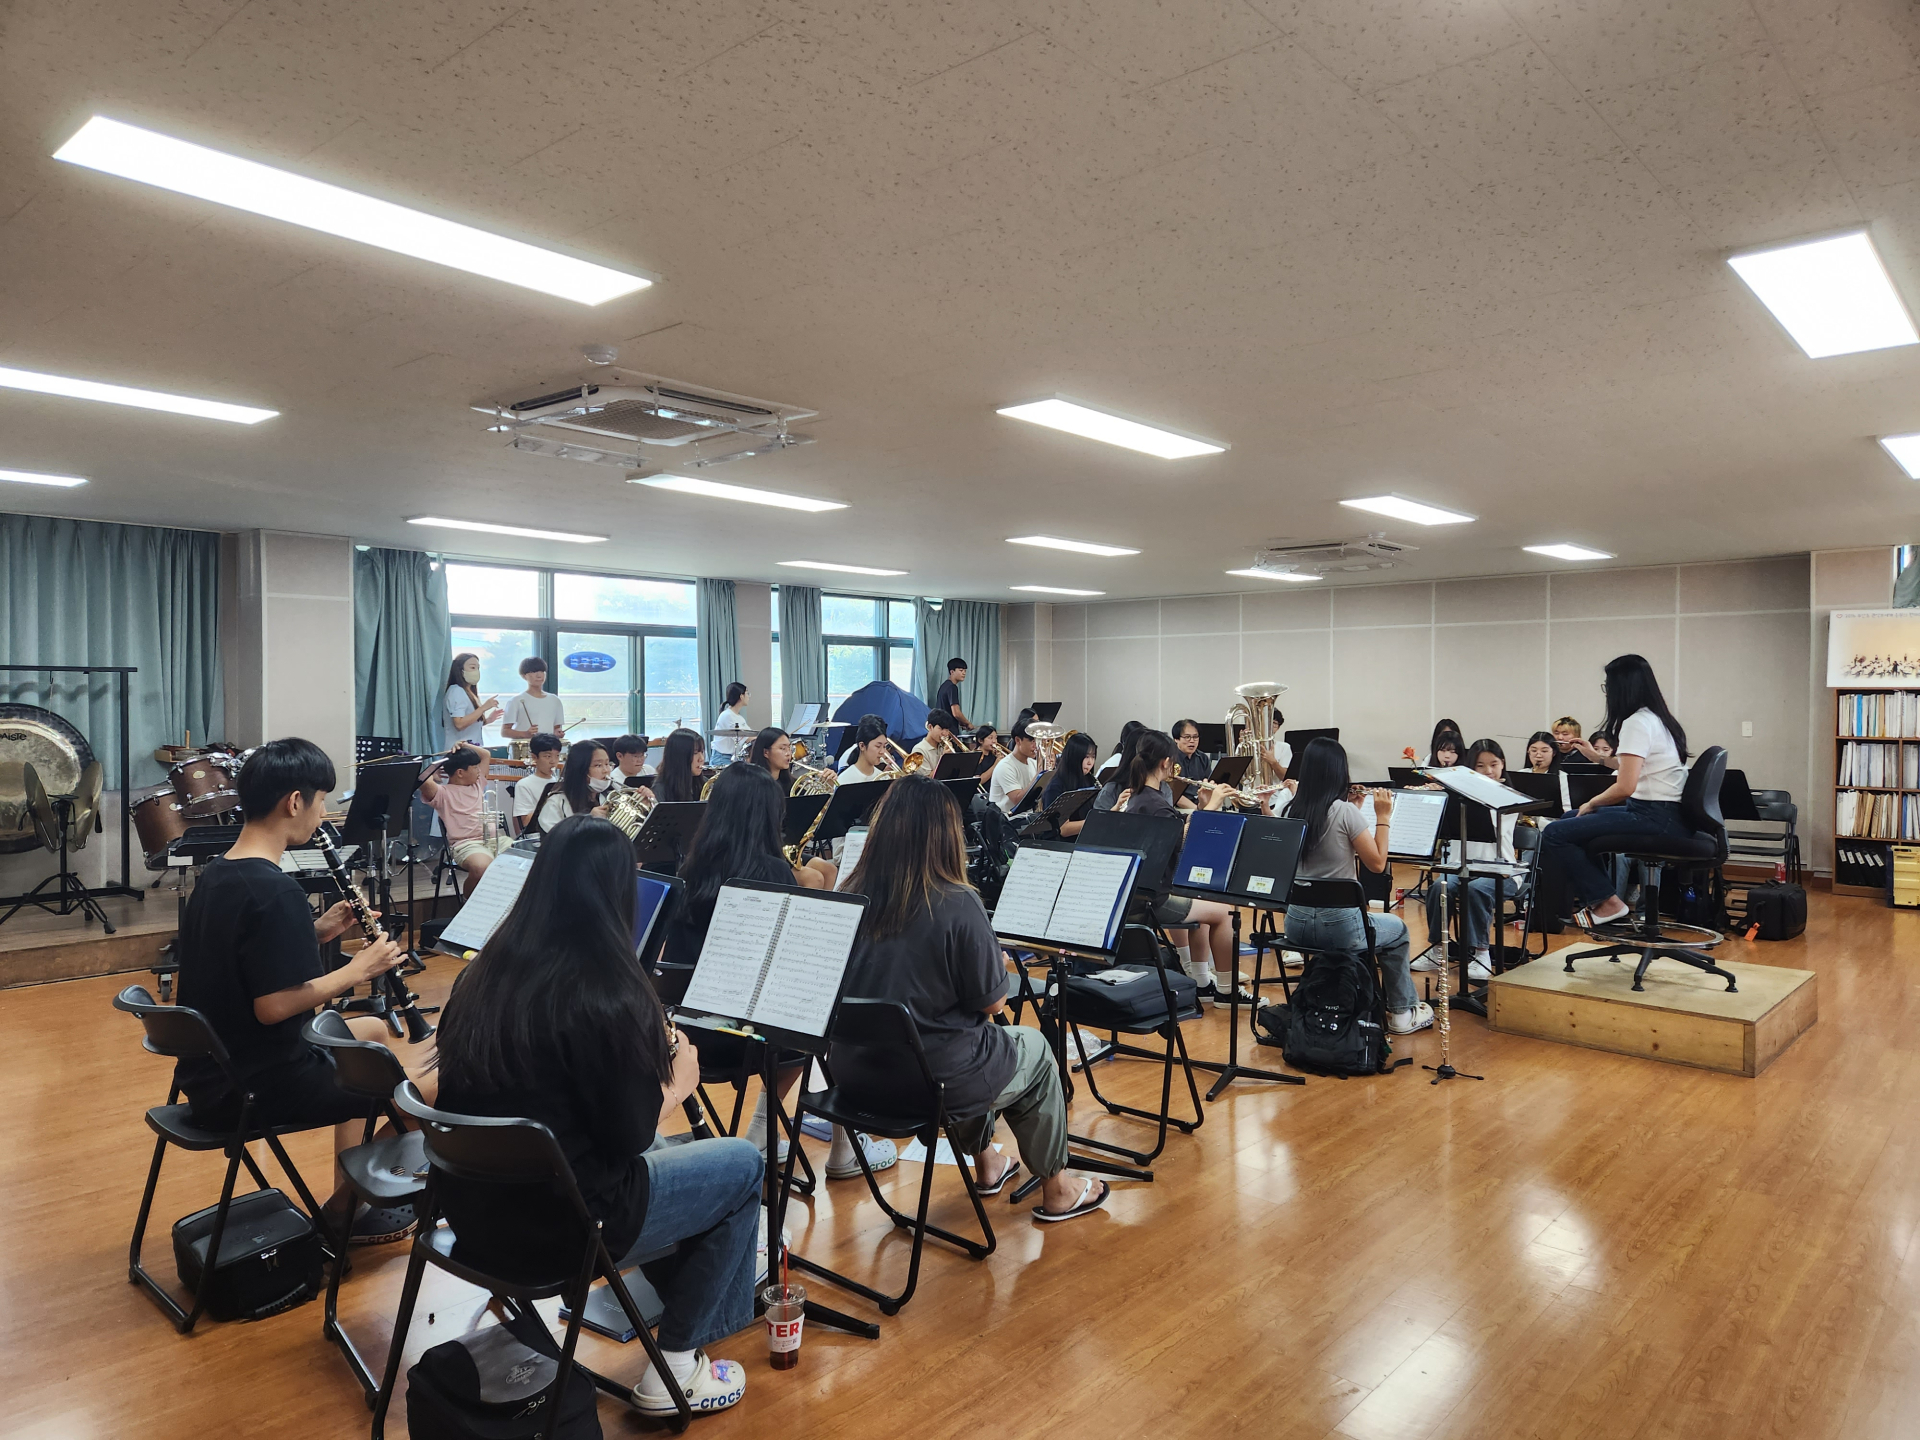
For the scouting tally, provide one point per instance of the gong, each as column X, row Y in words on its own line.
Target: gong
column 32, row 736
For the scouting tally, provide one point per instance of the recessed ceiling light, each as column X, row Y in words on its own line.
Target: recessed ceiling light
column 842, row 569
column 1295, row 575
column 1077, row 419
column 154, row 159
column 1568, row 552
column 487, row 529
column 126, row 395
column 1401, row 508
column 1832, row 295
column 714, row 490
column 1054, row 590
column 1905, row 450
column 29, row 477
column 1082, row 547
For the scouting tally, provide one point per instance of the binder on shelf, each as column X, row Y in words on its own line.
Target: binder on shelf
column 1069, row 897
column 776, row 957
column 1206, row 860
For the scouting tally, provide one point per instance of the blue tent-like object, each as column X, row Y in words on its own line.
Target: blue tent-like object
column 904, row 712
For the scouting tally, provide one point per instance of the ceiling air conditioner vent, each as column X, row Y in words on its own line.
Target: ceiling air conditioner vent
column 647, row 410
column 1370, row 552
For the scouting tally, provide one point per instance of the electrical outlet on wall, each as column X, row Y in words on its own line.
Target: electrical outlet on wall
column 1746, row 727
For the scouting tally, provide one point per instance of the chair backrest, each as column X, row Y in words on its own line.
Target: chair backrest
column 501, row 1150
column 1525, row 838
column 364, row 1067
column 174, row 1030
column 1700, row 798
column 1777, row 805
column 1326, row 894
column 883, row 1030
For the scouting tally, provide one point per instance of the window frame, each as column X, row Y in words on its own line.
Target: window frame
column 883, row 644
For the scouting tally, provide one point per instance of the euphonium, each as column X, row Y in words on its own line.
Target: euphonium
column 1257, row 713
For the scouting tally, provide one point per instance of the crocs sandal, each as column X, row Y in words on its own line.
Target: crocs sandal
column 711, row 1385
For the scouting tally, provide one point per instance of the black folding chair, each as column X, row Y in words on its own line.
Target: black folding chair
column 521, row 1157
column 388, row 1171
column 184, row 1034
column 911, row 1104
column 1321, row 895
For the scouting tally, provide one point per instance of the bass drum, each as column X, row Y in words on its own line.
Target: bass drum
column 30, row 735
column 205, row 785
column 158, row 822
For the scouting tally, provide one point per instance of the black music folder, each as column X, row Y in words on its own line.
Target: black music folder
column 1267, row 856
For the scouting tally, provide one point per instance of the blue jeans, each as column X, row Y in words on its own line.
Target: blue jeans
column 1339, row 929
column 1565, row 859
column 1476, row 916
column 703, row 1196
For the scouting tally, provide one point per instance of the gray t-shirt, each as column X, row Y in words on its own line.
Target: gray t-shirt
column 1333, row 858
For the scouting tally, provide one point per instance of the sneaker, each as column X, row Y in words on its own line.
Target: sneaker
column 1406, row 1022
column 1478, row 969
column 1207, row 995
column 1428, row 961
column 881, row 1155
column 711, row 1385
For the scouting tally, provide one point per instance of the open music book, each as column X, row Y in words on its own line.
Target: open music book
column 487, row 904
column 1470, row 784
column 1414, row 831
column 1067, row 897
column 775, row 957
column 850, row 855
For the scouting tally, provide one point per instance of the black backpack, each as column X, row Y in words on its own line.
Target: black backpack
column 1336, row 1024
column 493, row 1384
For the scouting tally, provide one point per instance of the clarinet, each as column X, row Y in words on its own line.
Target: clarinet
column 388, row 986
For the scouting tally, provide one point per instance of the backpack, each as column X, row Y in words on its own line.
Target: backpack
column 1336, row 1024
column 492, row 1384
column 1776, row 911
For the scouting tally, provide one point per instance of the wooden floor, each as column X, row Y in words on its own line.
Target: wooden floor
column 1582, row 1245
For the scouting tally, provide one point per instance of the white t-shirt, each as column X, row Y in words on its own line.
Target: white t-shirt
column 543, row 714
column 554, row 811
column 460, row 704
column 527, row 791
column 1010, row 777
column 1487, row 852
column 852, row 776
column 730, row 735
column 1662, row 776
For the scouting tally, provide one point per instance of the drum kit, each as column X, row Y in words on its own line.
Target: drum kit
column 202, row 785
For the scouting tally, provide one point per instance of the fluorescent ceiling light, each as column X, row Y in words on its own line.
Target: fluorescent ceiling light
column 714, row 490
column 1833, row 295
column 154, row 159
column 1905, row 450
column 1078, row 419
column 1295, row 575
column 1054, row 590
column 1082, row 547
column 1401, row 508
column 1568, row 552
column 842, row 569
column 125, row 395
column 485, row 528
column 29, row 477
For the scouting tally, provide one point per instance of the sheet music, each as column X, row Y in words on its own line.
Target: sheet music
column 1566, row 795
column 1032, row 885
column 809, row 960
column 488, row 903
column 1416, row 821
column 1090, row 897
column 1470, row 784
column 850, row 854
column 734, row 957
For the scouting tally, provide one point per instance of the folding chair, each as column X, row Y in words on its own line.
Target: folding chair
column 509, row 1153
column 1322, row 895
column 184, row 1034
column 910, row 1105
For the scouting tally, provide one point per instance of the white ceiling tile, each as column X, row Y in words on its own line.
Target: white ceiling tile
column 1370, row 46
column 1605, row 46
column 1833, row 46
column 1872, row 133
column 1146, row 41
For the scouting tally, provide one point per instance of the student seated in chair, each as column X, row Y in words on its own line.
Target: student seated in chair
column 926, row 941
column 556, row 1021
column 532, row 790
column 456, row 799
column 250, row 962
column 1473, row 901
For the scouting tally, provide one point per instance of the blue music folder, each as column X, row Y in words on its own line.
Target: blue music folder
column 1206, row 860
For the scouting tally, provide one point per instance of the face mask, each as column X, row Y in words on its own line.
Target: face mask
column 599, row 782
column 471, row 674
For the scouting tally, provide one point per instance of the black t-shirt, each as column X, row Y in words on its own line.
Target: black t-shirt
column 688, row 932
column 1193, row 767
column 946, row 967
column 947, row 697
column 247, row 932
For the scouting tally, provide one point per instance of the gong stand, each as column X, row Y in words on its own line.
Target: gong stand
column 72, row 893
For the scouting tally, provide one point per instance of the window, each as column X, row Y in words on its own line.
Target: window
column 866, row 639
column 625, row 659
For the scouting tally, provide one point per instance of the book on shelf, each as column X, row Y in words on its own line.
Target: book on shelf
column 1891, row 714
column 1876, row 815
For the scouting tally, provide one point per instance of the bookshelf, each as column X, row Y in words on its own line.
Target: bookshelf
column 1876, row 785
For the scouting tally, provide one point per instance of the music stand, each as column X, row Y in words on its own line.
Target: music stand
column 850, row 805
column 1213, row 736
column 1736, row 798
column 961, row 765
column 668, row 831
column 1544, row 788
column 716, row 992
column 1297, row 739
column 804, row 719
column 1046, row 711
column 801, row 810
column 379, row 808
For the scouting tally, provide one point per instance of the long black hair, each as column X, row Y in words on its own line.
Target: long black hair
column 1322, row 771
column 1066, row 771
column 1129, row 732
column 1631, row 687
column 1450, row 740
column 738, row 839
column 559, row 977
column 761, row 744
column 575, row 779
column 676, row 778
column 1151, row 750
column 456, row 677
column 915, row 852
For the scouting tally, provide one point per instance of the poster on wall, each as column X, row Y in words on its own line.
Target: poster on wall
column 1873, row 650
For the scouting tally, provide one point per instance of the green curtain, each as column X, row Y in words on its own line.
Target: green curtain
column 719, row 645
column 803, row 654
column 969, row 629
column 402, row 638
column 79, row 592
column 1906, row 585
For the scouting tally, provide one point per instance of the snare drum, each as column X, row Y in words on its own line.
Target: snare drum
column 158, row 821
column 204, row 785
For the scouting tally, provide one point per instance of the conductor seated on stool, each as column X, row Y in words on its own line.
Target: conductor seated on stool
column 926, row 942
column 1644, row 800
column 250, row 963
column 458, row 803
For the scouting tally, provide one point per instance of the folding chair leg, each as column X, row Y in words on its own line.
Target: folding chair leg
column 611, row 1274
column 403, row 1317
column 331, row 1329
column 185, row 1326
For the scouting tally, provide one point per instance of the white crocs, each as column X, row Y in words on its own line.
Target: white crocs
column 711, row 1385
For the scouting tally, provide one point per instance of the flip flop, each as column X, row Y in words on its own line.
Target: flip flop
column 1001, row 1183
column 1081, row 1206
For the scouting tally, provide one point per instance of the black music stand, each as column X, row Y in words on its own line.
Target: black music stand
column 774, row 1039
column 849, row 806
column 1046, row 711
column 1297, row 740
column 668, row 831
column 379, row 808
column 1213, row 736
column 801, row 810
column 960, row 765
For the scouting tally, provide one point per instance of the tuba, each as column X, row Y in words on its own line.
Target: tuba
column 1257, row 714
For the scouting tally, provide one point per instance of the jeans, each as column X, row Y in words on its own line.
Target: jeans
column 1565, row 859
column 1476, row 922
column 703, row 1196
column 1339, row 929
column 1034, row 1104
